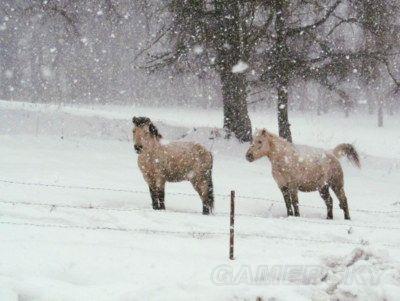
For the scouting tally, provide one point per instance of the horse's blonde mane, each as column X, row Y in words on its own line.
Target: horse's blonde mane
column 260, row 132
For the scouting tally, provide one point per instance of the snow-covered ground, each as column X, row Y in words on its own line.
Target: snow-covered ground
column 98, row 238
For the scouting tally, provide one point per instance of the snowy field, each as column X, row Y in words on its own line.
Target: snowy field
column 76, row 221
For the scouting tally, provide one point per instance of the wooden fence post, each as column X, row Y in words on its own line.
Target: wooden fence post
column 232, row 226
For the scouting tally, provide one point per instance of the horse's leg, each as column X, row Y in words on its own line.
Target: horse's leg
column 324, row 192
column 161, row 195
column 286, row 197
column 161, row 198
column 154, row 197
column 209, row 204
column 157, row 192
column 295, row 201
column 339, row 191
column 201, row 186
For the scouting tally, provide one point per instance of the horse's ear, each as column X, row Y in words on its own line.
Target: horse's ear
column 264, row 132
column 135, row 120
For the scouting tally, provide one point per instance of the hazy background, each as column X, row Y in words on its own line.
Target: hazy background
column 95, row 51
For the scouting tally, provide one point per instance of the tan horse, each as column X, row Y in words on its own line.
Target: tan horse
column 174, row 162
column 304, row 168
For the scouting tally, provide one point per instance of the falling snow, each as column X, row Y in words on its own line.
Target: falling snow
column 240, row 67
column 208, row 74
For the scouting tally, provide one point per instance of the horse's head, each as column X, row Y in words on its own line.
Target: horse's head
column 144, row 133
column 259, row 147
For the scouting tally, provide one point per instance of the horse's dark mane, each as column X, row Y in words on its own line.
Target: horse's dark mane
column 154, row 131
column 142, row 121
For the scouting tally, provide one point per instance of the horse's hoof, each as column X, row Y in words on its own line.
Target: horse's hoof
column 329, row 217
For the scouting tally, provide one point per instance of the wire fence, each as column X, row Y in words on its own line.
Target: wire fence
column 194, row 234
column 53, row 206
column 177, row 193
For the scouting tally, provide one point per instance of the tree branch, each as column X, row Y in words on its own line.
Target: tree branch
column 55, row 10
column 261, row 31
column 294, row 31
column 161, row 34
column 390, row 72
column 112, row 10
column 342, row 21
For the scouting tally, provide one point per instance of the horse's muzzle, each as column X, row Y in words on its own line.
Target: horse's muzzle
column 138, row 148
column 250, row 157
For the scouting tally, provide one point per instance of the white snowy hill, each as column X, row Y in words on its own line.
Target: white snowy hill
column 76, row 221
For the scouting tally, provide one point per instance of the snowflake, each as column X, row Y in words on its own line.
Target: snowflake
column 240, row 67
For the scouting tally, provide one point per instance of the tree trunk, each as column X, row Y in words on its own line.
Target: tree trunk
column 231, row 51
column 236, row 117
column 390, row 108
column 327, row 103
column 281, row 53
column 283, row 116
column 380, row 114
column 6, row 76
column 36, row 67
column 346, row 110
column 370, row 105
column 8, row 63
column 321, row 98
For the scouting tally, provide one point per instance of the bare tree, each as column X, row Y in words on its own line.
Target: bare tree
column 306, row 49
column 9, row 77
column 214, row 35
column 104, row 50
column 378, row 20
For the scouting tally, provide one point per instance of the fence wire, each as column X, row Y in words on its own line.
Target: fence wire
column 193, row 234
column 54, row 206
column 239, row 196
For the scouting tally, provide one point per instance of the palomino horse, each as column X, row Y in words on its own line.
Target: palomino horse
column 173, row 162
column 304, row 168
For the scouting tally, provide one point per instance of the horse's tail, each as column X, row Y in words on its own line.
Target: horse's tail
column 348, row 150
